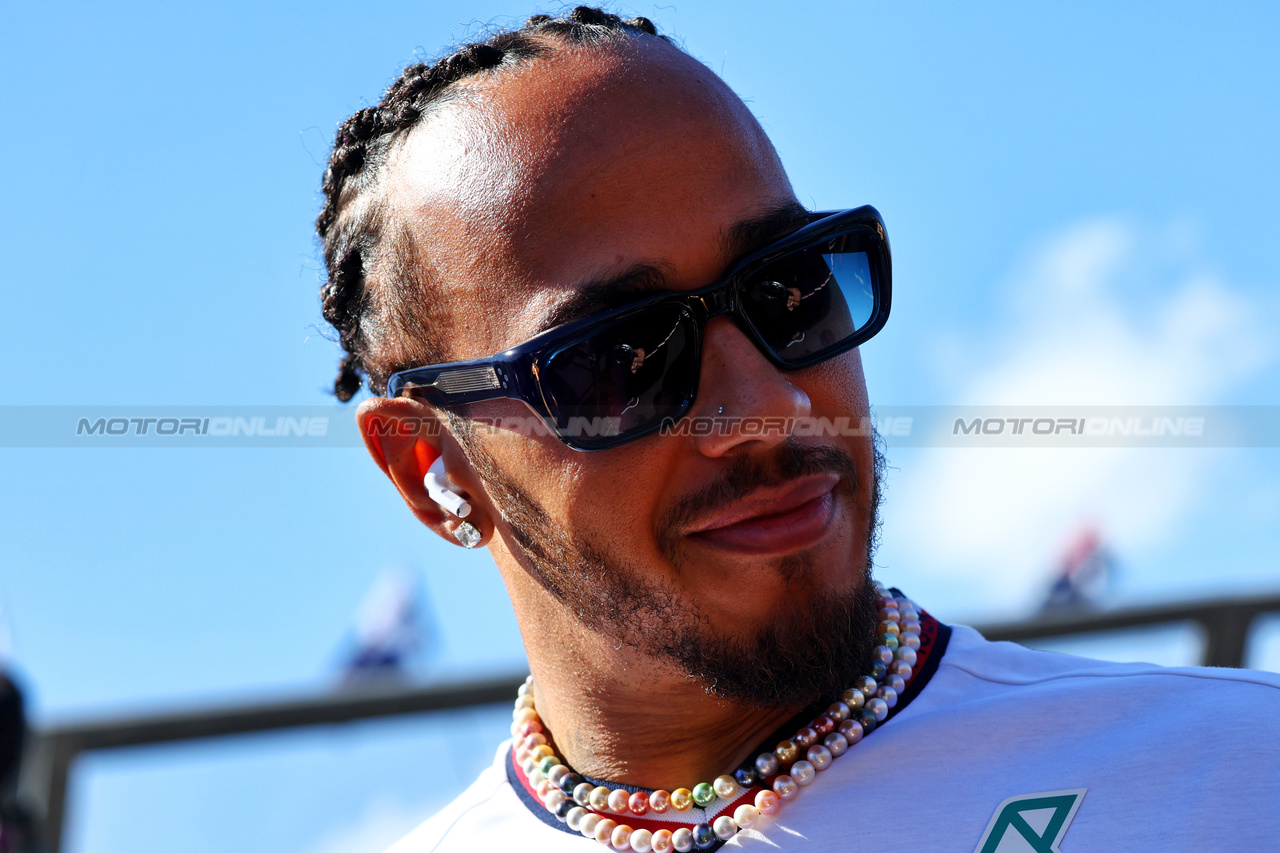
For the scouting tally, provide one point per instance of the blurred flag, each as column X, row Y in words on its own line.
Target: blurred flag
column 391, row 630
column 1084, row 571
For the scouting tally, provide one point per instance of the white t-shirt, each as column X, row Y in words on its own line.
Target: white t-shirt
column 1131, row 757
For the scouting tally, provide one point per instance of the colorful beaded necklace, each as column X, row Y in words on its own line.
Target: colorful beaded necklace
column 780, row 774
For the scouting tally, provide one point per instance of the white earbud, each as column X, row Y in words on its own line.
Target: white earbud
column 440, row 490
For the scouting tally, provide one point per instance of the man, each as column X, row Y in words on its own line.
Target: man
column 611, row 346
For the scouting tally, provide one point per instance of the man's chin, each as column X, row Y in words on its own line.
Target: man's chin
column 805, row 654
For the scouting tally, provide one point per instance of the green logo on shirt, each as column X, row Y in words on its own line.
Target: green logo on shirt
column 1031, row 822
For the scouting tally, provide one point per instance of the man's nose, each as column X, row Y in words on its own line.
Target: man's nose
column 746, row 400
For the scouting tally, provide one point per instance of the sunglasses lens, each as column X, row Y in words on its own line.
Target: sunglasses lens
column 812, row 301
column 625, row 378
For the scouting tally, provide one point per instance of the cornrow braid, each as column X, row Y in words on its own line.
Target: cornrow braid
column 369, row 294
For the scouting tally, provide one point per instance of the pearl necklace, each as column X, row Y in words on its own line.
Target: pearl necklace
column 780, row 774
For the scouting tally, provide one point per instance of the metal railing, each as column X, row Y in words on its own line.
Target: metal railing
column 1226, row 624
column 51, row 752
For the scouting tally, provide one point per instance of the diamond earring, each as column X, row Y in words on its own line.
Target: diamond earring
column 467, row 534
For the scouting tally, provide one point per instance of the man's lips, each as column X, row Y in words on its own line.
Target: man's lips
column 774, row 520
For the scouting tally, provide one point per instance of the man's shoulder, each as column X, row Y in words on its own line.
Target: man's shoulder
column 998, row 721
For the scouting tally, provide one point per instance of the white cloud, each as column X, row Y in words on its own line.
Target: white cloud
column 985, row 524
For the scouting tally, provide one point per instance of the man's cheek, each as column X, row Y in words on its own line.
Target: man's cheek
column 836, row 386
column 596, row 501
column 539, row 464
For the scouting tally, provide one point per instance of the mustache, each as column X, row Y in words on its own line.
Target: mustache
column 746, row 474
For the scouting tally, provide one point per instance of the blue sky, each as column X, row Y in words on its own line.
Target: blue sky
column 1084, row 204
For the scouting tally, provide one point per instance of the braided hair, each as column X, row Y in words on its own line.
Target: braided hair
column 370, row 295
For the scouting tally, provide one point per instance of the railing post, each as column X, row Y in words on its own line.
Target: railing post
column 1227, row 630
column 42, row 787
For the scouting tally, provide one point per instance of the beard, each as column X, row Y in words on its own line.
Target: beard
column 812, row 649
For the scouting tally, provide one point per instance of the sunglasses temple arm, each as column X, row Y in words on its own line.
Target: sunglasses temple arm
column 457, row 384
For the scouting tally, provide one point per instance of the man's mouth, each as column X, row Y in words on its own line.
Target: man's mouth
column 775, row 520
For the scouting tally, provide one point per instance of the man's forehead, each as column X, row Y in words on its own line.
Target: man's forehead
column 532, row 184
column 503, row 146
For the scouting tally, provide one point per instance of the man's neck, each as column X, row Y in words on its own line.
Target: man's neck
column 616, row 714
column 653, row 731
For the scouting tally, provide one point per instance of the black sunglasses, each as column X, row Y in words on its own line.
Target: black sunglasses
column 621, row 374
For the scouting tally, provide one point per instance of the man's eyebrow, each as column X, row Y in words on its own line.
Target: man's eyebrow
column 634, row 282
column 771, row 223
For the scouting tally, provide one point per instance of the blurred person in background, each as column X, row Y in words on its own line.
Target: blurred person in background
column 16, row 835
column 609, row 344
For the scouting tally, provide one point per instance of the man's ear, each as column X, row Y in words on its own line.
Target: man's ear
column 405, row 436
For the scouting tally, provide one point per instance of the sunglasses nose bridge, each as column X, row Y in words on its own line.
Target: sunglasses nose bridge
column 714, row 303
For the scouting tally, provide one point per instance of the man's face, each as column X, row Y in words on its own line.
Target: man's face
column 736, row 557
